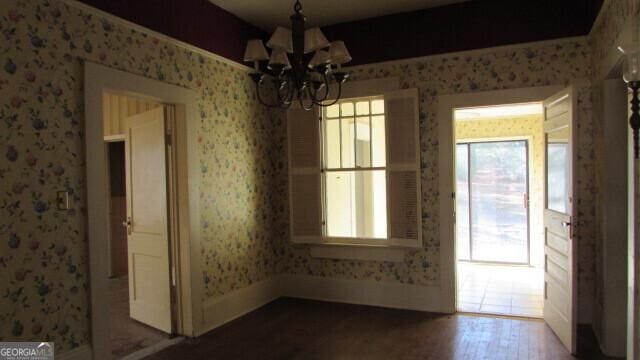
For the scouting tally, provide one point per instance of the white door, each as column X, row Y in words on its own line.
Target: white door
column 147, row 223
column 560, row 284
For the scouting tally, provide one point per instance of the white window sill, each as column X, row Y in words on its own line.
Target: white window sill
column 358, row 252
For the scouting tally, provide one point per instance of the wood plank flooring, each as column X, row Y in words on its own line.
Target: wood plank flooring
column 304, row 329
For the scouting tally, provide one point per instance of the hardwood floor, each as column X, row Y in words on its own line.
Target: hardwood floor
column 304, row 329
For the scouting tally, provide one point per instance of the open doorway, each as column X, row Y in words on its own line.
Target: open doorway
column 140, row 312
column 166, row 297
column 499, row 229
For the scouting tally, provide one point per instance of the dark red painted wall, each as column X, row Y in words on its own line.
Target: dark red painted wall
column 470, row 25
column 197, row 22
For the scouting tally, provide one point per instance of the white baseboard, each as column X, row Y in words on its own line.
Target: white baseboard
column 150, row 350
column 80, row 353
column 220, row 310
column 362, row 292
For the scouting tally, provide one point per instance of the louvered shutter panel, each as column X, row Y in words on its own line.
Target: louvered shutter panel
column 305, row 198
column 403, row 168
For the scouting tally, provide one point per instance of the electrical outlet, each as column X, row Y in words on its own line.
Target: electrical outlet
column 62, row 200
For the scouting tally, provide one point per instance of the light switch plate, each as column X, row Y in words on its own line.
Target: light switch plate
column 62, row 200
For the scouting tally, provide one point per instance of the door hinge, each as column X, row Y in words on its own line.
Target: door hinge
column 453, row 195
column 173, row 276
column 168, row 139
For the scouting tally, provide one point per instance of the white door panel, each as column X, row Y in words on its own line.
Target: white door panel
column 148, row 235
column 560, row 256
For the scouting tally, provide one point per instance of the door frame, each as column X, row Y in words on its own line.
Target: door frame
column 446, row 171
column 529, row 172
column 97, row 80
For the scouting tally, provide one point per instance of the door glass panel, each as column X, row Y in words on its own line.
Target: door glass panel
column 558, row 175
column 462, row 202
column 499, row 218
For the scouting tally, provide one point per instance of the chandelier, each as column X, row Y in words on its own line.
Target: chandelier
column 305, row 78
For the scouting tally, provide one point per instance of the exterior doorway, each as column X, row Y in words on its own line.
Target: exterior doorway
column 557, row 231
column 499, row 176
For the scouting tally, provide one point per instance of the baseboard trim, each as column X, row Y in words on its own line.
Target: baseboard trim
column 150, row 350
column 80, row 353
column 362, row 292
column 220, row 310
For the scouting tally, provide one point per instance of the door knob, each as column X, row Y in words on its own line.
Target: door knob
column 566, row 223
column 127, row 224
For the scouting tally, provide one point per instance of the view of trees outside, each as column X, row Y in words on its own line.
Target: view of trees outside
column 496, row 175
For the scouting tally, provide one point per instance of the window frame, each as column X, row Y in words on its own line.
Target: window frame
column 356, row 240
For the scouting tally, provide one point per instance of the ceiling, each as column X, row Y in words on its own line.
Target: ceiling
column 268, row 14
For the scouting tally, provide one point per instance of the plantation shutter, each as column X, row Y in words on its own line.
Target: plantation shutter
column 403, row 168
column 305, row 185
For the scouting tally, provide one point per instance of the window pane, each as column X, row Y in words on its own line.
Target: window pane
column 348, row 142
column 377, row 107
column 499, row 225
column 558, row 170
column 363, row 142
column 378, row 157
column 347, row 109
column 462, row 202
column 332, row 111
column 362, row 108
column 356, row 204
column 332, row 143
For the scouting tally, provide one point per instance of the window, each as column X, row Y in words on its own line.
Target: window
column 354, row 172
column 354, row 164
column 557, row 170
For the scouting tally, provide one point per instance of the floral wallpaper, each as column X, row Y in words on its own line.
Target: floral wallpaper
column 605, row 34
column 44, row 275
column 529, row 126
column 44, row 253
column 562, row 62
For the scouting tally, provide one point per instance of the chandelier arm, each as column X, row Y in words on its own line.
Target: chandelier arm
column 314, row 92
column 302, row 101
column 287, row 101
column 261, row 99
column 286, row 106
column 326, row 86
column 281, row 101
column 292, row 92
column 335, row 101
